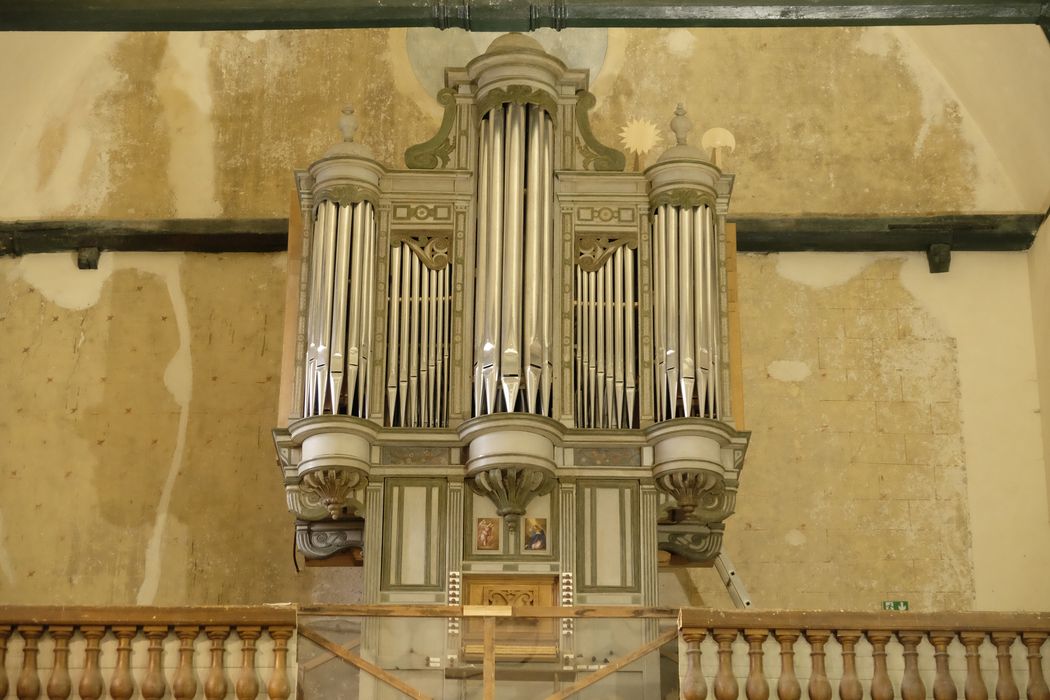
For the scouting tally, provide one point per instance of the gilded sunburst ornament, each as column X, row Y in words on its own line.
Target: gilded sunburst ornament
column 639, row 136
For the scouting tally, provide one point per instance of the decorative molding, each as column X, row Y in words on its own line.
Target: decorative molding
column 694, row 541
column 431, row 248
column 596, row 155
column 455, row 597
column 435, row 153
column 321, row 540
column 594, row 249
column 682, row 197
column 520, row 95
column 345, row 195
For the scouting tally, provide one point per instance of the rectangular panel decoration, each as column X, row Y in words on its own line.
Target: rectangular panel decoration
column 414, row 548
column 607, row 536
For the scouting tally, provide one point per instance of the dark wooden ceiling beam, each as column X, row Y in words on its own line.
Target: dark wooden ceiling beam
column 767, row 234
column 501, row 15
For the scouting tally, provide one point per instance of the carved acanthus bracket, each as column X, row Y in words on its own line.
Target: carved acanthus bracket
column 593, row 249
column 683, row 197
column 435, row 152
column 332, row 489
column 512, row 488
column 519, row 95
column 321, row 540
column 701, row 495
column 596, row 155
column 431, row 248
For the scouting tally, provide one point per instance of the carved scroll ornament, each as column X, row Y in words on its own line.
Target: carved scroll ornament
column 431, row 248
column 435, row 152
column 593, row 249
column 519, row 95
column 596, row 155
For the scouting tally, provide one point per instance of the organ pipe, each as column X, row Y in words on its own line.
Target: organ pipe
column 605, row 372
column 686, row 323
column 514, row 320
column 418, row 333
column 340, row 312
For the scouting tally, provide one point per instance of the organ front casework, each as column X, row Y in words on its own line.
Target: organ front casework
column 511, row 363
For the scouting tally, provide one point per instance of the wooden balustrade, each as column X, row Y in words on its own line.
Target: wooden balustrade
column 90, row 631
column 1007, row 633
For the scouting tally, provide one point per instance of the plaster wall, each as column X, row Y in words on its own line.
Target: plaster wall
column 834, row 120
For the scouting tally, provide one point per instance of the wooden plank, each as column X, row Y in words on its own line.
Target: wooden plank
column 736, row 354
column 590, row 679
column 701, row 618
column 499, row 15
column 156, row 235
column 289, row 344
column 772, row 234
column 764, row 234
column 366, row 666
column 488, row 661
column 594, row 612
column 254, row 615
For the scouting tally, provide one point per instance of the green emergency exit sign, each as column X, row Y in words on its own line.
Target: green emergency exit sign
column 894, row 605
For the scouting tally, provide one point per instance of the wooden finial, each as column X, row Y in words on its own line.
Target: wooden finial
column 681, row 125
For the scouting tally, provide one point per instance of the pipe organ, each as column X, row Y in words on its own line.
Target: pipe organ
column 511, row 357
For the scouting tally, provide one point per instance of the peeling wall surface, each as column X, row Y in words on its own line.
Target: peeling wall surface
column 897, row 436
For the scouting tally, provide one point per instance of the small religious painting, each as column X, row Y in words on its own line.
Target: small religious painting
column 487, row 538
column 536, row 534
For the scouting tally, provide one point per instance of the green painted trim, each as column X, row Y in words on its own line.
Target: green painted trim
column 595, row 154
column 435, row 152
column 501, row 15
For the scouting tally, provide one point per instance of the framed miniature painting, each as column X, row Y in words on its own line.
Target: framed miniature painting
column 487, row 535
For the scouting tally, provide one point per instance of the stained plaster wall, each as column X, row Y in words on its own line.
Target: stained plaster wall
column 139, row 467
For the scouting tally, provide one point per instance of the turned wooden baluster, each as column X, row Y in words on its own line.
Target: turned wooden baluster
column 154, row 687
column 943, row 685
column 912, row 687
column 215, row 685
column 819, row 687
column 247, row 685
column 28, row 687
column 122, row 685
column 91, row 686
column 5, row 632
column 788, row 687
column 725, row 684
column 184, row 682
column 974, row 688
column 1037, row 689
column 849, row 686
column 279, row 688
column 694, row 687
column 59, row 685
column 881, row 686
column 756, row 687
column 1005, row 687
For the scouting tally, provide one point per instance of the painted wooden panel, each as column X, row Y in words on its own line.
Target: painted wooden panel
column 414, row 544
column 607, row 535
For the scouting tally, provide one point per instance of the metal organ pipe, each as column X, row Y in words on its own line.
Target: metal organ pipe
column 686, row 322
column 340, row 316
column 606, row 368
column 514, row 283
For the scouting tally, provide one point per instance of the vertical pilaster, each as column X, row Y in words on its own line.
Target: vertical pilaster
column 645, row 318
column 379, row 311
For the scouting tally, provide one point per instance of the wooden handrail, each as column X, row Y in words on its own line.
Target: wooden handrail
column 701, row 618
column 579, row 611
column 232, row 615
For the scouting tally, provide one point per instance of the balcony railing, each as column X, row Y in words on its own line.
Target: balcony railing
column 275, row 651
